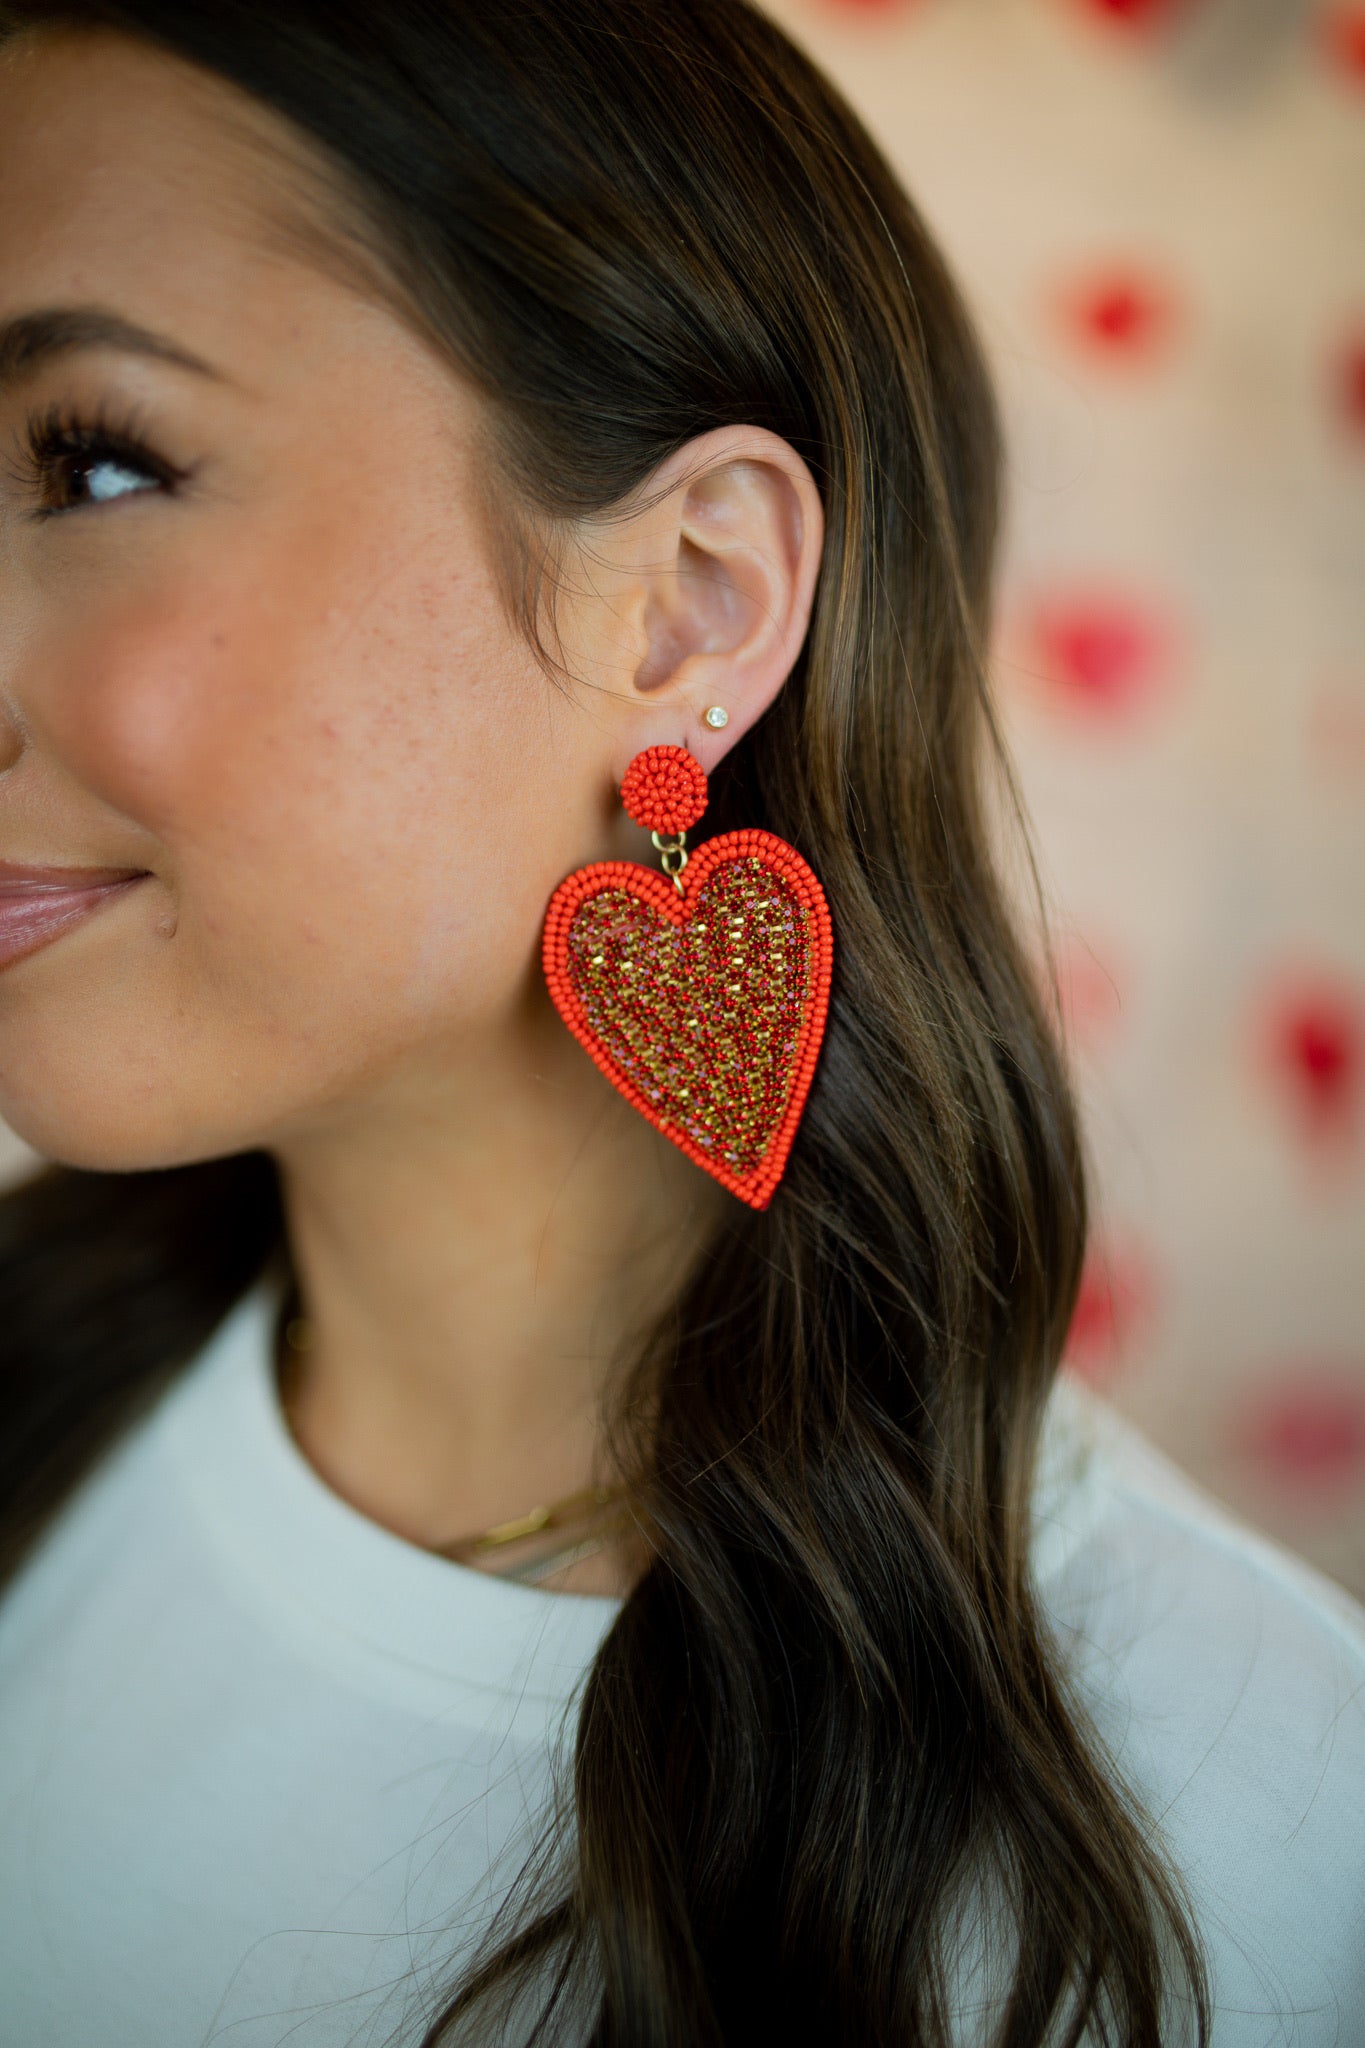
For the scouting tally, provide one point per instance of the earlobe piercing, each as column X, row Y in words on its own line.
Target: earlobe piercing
column 717, row 716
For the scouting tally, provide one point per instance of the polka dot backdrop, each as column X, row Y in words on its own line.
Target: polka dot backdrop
column 1157, row 210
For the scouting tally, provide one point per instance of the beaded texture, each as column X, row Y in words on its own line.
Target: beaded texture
column 664, row 789
column 706, row 1008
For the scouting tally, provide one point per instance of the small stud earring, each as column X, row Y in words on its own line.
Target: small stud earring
column 717, row 716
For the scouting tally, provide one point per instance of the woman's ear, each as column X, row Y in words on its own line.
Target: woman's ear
column 709, row 582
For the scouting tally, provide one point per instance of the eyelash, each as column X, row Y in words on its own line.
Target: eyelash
column 61, row 434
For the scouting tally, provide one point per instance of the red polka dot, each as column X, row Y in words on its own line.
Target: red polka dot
column 1342, row 37
column 1090, row 991
column 1310, row 1433
column 1094, row 654
column 1347, row 379
column 1121, row 316
column 1315, row 1041
column 1138, row 14
column 1113, row 1303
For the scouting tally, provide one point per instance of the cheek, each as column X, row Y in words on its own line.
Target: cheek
column 156, row 708
column 326, row 784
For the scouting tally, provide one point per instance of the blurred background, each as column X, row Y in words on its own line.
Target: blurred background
column 1157, row 211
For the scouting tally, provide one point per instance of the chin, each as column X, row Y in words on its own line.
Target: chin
column 106, row 1123
column 97, row 1147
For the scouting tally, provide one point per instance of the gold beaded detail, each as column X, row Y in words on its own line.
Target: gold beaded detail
column 703, row 1003
column 704, row 1018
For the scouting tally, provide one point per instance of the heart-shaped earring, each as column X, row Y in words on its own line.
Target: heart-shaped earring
column 702, row 992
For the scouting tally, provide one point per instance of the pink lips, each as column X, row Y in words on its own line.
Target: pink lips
column 38, row 905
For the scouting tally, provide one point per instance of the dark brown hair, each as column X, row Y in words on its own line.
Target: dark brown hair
column 830, row 1713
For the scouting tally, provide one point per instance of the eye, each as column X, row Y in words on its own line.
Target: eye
column 71, row 461
column 108, row 477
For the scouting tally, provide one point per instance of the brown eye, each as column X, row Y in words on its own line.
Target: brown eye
column 95, row 478
column 73, row 463
column 109, row 476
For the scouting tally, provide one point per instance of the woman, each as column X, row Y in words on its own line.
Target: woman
column 413, row 416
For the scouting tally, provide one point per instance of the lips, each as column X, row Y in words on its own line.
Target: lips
column 39, row 904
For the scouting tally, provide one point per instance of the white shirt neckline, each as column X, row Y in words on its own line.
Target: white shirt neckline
column 258, row 1501
column 281, row 1530
column 254, row 1746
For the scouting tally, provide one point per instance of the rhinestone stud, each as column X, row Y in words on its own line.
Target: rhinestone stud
column 717, row 716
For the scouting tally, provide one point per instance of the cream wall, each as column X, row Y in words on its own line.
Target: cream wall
column 1158, row 213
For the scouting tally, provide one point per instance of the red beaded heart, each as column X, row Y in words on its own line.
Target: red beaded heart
column 705, row 1008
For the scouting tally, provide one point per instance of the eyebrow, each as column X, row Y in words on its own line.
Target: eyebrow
column 30, row 340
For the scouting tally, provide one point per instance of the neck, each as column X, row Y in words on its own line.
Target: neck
column 477, row 1247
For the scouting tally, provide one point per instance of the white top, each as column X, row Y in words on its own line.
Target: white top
column 264, row 1766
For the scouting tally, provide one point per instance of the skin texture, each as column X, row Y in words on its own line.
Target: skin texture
column 288, row 689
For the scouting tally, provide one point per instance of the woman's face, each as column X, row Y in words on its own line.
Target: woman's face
column 264, row 667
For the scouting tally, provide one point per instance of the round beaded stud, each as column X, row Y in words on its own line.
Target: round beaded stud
column 664, row 788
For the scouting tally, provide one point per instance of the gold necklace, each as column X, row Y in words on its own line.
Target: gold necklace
column 529, row 1548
